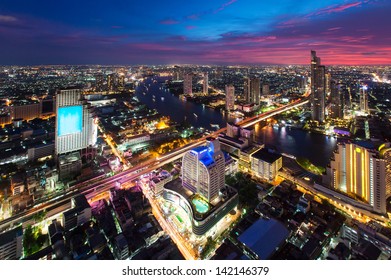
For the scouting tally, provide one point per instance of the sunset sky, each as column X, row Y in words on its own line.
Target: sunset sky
column 198, row 32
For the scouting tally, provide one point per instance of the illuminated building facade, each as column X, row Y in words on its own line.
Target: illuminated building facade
column 205, row 84
column 265, row 164
column 229, row 97
column 203, row 170
column 364, row 100
column 265, row 89
column 76, row 128
column 188, row 84
column 359, row 172
column 255, row 90
column 246, row 89
column 385, row 153
column 318, row 88
column 337, row 100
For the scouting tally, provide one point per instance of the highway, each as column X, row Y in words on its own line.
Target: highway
column 91, row 188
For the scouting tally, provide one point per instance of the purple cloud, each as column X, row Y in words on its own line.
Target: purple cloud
column 6, row 18
column 169, row 21
column 225, row 5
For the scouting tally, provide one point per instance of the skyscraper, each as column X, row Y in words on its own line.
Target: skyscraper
column 230, row 97
column 364, row 99
column 246, row 89
column 337, row 100
column 385, row 153
column 265, row 89
column 99, row 81
column 359, row 171
column 111, row 82
column 318, row 88
column 205, row 84
column 328, row 83
column 121, row 82
column 255, row 90
column 75, row 126
column 203, row 170
column 188, row 84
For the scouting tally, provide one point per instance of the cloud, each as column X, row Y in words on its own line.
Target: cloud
column 225, row 5
column 336, row 8
column 320, row 12
column 169, row 21
column 5, row 18
column 191, row 27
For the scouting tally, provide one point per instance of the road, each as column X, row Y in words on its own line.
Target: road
column 357, row 213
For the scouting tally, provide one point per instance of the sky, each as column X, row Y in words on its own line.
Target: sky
column 228, row 32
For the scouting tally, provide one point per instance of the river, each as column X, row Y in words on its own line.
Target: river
column 317, row 148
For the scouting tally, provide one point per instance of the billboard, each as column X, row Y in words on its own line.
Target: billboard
column 69, row 120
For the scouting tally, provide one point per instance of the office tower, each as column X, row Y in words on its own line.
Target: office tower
column 229, row 97
column 359, row 171
column 188, row 84
column 111, row 82
column 99, row 81
column 203, row 170
column 205, row 84
column 265, row 89
column 364, row 100
column 246, row 89
column 337, row 100
column 121, row 82
column 255, row 90
column 75, row 125
column 328, row 83
column 318, row 85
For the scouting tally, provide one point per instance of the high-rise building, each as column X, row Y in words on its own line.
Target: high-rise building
column 318, row 88
column 360, row 172
column 230, row 97
column 265, row 89
column 328, row 83
column 188, row 84
column 205, row 84
column 337, row 100
column 76, row 128
column 385, row 153
column 111, row 82
column 121, row 82
column 255, row 90
column 11, row 244
column 99, row 81
column 203, row 170
column 246, row 89
column 364, row 100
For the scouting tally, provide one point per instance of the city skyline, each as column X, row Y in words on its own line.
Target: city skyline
column 222, row 32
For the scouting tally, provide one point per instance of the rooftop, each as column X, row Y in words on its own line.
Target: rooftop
column 9, row 236
column 264, row 237
column 265, row 155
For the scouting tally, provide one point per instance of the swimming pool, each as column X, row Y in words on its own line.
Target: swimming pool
column 200, row 205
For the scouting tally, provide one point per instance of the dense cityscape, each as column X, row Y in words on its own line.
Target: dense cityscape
column 249, row 158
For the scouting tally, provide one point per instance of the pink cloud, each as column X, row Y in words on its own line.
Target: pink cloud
column 225, row 5
column 169, row 21
column 6, row 18
column 324, row 11
column 191, row 27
